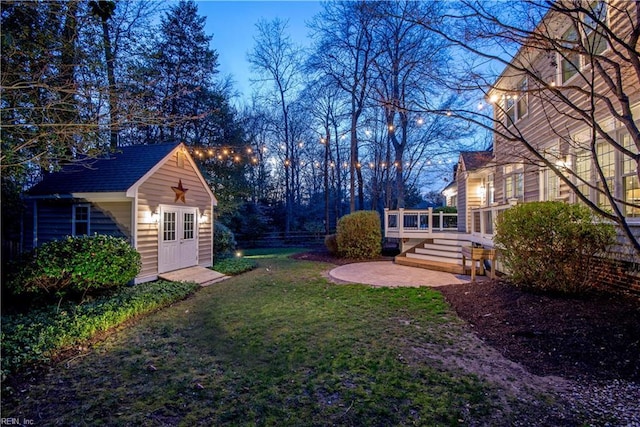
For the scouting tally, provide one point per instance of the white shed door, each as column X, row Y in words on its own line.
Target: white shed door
column 178, row 239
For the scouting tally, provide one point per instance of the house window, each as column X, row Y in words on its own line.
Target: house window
column 595, row 41
column 583, row 172
column 510, row 109
column 607, row 162
column 550, row 185
column 568, row 57
column 491, row 191
column 630, row 184
column 169, row 226
column 522, row 104
column 513, row 182
column 80, row 220
column 550, row 181
column 516, row 104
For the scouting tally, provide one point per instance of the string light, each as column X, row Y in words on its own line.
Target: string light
column 238, row 155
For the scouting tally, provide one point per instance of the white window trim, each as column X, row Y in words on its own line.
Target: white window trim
column 583, row 63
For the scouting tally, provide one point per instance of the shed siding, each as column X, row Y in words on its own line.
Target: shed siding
column 54, row 220
column 110, row 214
column 156, row 191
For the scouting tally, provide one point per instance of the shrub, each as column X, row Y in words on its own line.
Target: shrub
column 359, row 235
column 446, row 209
column 76, row 264
column 331, row 242
column 224, row 241
column 551, row 245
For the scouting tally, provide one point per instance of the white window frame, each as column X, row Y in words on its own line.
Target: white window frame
column 627, row 171
column 75, row 221
column 565, row 40
column 514, row 181
column 587, row 23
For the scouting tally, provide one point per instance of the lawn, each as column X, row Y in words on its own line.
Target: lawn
column 279, row 345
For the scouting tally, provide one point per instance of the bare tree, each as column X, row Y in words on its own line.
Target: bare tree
column 575, row 67
column 345, row 51
column 407, row 73
column 277, row 61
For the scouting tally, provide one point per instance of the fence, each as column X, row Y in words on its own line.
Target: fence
column 279, row 239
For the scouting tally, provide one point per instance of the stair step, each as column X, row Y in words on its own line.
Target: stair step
column 435, row 258
column 450, row 242
column 440, row 251
column 429, row 265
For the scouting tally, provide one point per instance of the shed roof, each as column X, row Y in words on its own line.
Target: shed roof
column 115, row 173
column 474, row 160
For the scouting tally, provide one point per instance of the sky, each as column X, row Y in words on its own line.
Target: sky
column 232, row 24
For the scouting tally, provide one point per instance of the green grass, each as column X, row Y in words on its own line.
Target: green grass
column 275, row 346
column 234, row 266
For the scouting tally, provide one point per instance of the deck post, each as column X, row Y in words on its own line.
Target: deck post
column 430, row 220
column 401, row 222
column 385, row 220
column 441, row 220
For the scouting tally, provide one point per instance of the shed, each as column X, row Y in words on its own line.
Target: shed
column 153, row 195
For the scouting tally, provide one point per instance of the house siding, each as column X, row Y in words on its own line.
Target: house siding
column 462, row 201
column 549, row 124
column 156, row 191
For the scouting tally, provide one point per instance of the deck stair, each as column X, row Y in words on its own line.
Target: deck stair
column 440, row 254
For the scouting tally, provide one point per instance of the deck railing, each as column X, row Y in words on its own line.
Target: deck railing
column 407, row 223
column 410, row 223
column 483, row 220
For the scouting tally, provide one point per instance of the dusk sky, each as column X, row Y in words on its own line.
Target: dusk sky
column 232, row 24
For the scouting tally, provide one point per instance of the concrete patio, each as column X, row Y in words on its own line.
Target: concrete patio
column 386, row 273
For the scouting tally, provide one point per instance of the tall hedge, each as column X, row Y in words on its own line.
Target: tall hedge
column 359, row 235
column 552, row 245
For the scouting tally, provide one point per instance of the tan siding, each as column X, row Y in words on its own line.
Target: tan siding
column 462, row 200
column 119, row 212
column 548, row 122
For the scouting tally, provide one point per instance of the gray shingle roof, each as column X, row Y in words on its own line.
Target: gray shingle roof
column 115, row 173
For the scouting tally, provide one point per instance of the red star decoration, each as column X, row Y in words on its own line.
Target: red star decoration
column 180, row 192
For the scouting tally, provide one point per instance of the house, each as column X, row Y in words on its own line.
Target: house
column 474, row 184
column 552, row 140
column 152, row 195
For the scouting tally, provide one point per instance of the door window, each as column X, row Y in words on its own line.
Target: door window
column 188, row 226
column 169, row 226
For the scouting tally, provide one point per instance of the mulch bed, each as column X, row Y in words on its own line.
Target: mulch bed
column 595, row 336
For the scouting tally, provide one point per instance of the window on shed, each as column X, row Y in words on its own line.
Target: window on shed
column 80, row 220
